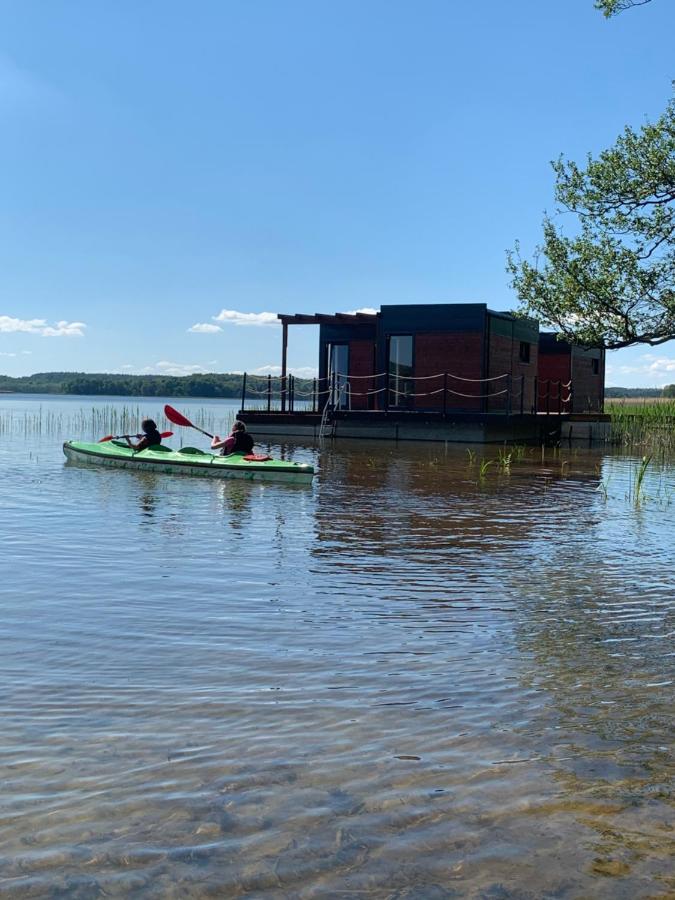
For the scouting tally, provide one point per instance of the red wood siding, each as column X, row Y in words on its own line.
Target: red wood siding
column 553, row 367
column 361, row 363
column 587, row 387
column 455, row 353
column 504, row 359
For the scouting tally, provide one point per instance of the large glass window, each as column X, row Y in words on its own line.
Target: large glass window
column 400, row 368
column 338, row 374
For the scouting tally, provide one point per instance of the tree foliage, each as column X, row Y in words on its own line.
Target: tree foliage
column 614, row 7
column 612, row 284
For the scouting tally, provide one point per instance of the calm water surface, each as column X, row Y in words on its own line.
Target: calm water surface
column 402, row 682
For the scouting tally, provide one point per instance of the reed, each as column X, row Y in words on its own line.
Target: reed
column 504, row 462
column 483, row 467
column 636, row 485
column 650, row 425
column 92, row 423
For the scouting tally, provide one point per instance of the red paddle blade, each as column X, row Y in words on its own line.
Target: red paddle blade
column 108, row 437
column 177, row 418
column 164, row 434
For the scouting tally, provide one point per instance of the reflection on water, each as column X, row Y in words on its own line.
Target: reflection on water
column 405, row 681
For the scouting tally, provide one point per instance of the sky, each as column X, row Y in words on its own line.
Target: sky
column 172, row 175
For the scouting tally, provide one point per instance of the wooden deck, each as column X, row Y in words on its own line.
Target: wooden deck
column 453, row 427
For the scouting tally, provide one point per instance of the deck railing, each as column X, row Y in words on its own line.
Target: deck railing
column 443, row 392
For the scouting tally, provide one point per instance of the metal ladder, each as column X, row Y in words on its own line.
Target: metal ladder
column 326, row 422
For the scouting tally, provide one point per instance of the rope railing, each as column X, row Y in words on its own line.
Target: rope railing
column 521, row 394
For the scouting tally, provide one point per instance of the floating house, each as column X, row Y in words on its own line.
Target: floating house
column 456, row 372
column 583, row 369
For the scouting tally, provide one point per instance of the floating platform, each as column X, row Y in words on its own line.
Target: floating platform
column 459, row 428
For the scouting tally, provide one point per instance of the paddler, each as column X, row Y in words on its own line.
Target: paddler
column 239, row 441
column 151, row 437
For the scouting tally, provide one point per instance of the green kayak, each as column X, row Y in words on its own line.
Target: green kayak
column 188, row 461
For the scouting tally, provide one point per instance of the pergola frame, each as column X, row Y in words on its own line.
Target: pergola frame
column 287, row 319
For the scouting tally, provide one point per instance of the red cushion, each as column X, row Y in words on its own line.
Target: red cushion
column 253, row 458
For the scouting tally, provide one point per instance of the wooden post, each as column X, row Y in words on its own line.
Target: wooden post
column 284, row 355
column 509, row 394
column 243, row 393
column 269, row 393
column 445, row 395
column 314, row 395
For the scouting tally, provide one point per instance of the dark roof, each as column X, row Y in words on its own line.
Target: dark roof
column 327, row 319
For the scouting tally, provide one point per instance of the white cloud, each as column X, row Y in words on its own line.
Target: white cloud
column 7, row 354
column 300, row 371
column 661, row 365
column 165, row 367
column 204, row 328
column 648, row 371
column 9, row 325
column 234, row 317
column 364, row 309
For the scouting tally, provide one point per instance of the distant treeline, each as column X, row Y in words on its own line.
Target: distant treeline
column 225, row 385
column 667, row 391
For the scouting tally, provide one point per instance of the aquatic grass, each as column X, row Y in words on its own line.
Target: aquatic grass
column 636, row 485
column 603, row 488
column 483, row 467
column 648, row 423
column 504, row 462
column 92, row 423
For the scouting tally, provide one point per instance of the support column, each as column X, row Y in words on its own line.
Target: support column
column 284, row 355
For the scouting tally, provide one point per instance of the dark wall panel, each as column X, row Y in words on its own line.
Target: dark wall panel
column 456, row 354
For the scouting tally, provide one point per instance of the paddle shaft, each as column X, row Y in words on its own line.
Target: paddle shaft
column 197, row 428
column 177, row 418
column 118, row 437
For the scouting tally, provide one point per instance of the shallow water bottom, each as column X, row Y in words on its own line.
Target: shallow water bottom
column 406, row 681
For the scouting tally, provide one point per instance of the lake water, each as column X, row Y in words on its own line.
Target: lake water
column 402, row 682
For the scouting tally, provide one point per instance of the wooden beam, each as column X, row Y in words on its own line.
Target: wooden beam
column 284, row 356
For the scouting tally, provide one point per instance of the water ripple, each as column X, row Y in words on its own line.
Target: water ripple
column 405, row 681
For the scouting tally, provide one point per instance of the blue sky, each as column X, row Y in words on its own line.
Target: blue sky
column 161, row 162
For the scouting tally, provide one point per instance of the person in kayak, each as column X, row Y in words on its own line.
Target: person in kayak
column 151, row 437
column 239, row 441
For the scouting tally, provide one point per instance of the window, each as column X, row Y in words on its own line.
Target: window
column 524, row 352
column 400, row 369
column 338, row 375
column 595, row 366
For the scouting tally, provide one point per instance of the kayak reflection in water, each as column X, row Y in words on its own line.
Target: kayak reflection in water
column 151, row 437
column 239, row 441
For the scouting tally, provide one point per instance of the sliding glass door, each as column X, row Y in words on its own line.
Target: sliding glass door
column 400, row 370
column 338, row 374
